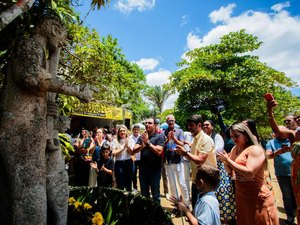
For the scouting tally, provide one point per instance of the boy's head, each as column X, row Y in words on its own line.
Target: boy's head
column 105, row 149
column 207, row 176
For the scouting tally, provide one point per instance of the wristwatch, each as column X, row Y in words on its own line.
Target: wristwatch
column 148, row 143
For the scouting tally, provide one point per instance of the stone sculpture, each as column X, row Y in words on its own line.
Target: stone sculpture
column 33, row 182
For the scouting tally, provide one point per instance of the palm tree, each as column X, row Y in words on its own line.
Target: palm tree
column 158, row 96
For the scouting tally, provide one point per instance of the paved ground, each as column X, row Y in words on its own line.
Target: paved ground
column 180, row 221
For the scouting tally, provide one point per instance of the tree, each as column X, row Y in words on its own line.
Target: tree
column 10, row 10
column 228, row 72
column 158, row 96
column 87, row 58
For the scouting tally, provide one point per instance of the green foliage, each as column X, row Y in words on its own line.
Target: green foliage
column 100, row 62
column 164, row 114
column 65, row 146
column 121, row 206
column 88, row 58
column 81, row 212
column 158, row 96
column 227, row 71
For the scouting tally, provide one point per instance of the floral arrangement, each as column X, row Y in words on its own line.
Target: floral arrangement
column 109, row 206
column 81, row 212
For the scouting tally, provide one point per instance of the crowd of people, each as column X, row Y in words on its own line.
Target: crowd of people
column 228, row 171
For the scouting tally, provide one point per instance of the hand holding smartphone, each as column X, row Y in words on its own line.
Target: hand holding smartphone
column 268, row 97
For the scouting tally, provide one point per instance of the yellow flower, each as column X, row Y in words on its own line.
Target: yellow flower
column 72, row 200
column 97, row 219
column 87, row 206
column 77, row 204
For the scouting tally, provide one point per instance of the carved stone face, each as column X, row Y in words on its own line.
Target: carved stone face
column 59, row 37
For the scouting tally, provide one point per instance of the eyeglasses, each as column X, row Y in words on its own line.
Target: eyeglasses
column 148, row 123
column 287, row 121
column 170, row 121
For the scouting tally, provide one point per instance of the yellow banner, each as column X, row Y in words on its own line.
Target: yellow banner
column 127, row 114
column 100, row 110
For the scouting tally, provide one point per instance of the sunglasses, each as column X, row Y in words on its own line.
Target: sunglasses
column 287, row 121
column 171, row 121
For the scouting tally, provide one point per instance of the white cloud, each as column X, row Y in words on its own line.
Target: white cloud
column 158, row 78
column 169, row 104
column 147, row 63
column 223, row 14
column 126, row 6
column 280, row 6
column 193, row 41
column 184, row 20
column 278, row 30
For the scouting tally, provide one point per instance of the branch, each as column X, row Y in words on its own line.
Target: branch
column 8, row 15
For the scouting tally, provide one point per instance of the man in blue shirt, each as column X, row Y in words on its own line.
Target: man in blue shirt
column 173, row 160
column 282, row 163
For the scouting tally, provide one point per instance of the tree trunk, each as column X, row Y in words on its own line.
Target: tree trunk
column 14, row 11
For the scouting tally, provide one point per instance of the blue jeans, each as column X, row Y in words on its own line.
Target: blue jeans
column 288, row 198
column 136, row 165
column 123, row 173
column 150, row 179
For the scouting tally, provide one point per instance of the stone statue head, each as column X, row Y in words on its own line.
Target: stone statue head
column 53, row 30
column 63, row 123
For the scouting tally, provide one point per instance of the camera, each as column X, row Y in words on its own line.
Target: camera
column 217, row 106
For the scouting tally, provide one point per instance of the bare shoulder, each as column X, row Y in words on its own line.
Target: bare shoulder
column 256, row 150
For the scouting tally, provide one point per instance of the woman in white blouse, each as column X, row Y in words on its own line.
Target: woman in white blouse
column 122, row 148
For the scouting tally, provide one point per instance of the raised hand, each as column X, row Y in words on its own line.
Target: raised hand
column 145, row 137
column 223, row 156
column 171, row 135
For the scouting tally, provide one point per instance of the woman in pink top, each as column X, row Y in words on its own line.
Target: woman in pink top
column 255, row 203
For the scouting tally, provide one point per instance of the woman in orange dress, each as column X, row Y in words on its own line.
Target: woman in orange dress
column 294, row 138
column 255, row 204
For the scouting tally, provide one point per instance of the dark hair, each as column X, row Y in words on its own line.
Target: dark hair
column 252, row 127
column 209, row 174
column 155, row 120
column 136, row 127
column 195, row 119
column 211, row 122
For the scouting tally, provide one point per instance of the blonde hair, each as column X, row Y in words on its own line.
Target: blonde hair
column 122, row 127
column 240, row 127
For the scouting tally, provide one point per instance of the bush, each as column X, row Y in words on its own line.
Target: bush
column 116, row 207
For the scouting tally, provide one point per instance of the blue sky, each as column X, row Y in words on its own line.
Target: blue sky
column 156, row 33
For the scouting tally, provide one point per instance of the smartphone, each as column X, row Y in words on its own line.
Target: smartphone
column 268, row 97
